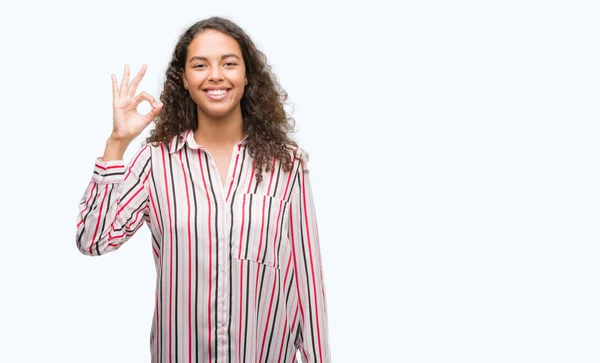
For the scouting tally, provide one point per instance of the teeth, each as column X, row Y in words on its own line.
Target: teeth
column 216, row 92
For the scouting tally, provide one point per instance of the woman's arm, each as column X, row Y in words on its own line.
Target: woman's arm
column 312, row 339
column 114, row 204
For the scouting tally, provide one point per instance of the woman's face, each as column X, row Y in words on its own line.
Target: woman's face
column 215, row 74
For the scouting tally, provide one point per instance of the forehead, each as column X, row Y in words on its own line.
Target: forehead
column 212, row 43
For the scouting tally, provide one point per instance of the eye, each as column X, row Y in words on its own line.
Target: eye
column 231, row 64
column 198, row 66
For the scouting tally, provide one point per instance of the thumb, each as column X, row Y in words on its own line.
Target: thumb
column 154, row 112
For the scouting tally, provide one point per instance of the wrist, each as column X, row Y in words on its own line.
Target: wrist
column 115, row 149
column 118, row 141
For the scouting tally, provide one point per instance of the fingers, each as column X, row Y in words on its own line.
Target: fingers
column 143, row 96
column 115, row 88
column 124, row 82
column 136, row 81
column 153, row 113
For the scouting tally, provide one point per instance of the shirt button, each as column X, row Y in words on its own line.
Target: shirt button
column 222, row 301
column 221, row 331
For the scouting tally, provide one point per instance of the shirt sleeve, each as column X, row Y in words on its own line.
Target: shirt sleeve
column 114, row 205
column 312, row 337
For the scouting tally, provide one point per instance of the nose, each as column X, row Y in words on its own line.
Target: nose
column 215, row 74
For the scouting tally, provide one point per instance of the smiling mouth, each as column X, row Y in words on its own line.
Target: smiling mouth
column 217, row 94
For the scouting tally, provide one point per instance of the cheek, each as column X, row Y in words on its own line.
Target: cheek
column 196, row 79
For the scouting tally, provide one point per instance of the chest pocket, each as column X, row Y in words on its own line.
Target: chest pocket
column 260, row 232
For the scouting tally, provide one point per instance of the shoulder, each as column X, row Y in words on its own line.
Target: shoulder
column 296, row 152
column 299, row 157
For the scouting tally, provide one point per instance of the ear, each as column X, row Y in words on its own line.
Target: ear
column 184, row 78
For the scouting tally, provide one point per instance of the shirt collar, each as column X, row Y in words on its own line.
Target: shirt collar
column 187, row 137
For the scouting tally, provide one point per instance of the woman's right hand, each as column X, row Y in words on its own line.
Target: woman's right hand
column 128, row 123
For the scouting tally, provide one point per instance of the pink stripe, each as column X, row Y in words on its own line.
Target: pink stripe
column 156, row 326
column 130, row 199
column 295, row 264
column 276, row 232
column 134, row 160
column 189, row 291
column 262, row 227
column 162, row 149
column 87, row 204
column 242, row 226
column 155, row 213
column 251, row 178
column 293, row 326
column 210, row 243
column 268, row 318
column 108, row 167
column 128, row 226
column 234, row 169
column 241, row 303
column 98, row 220
column 287, row 185
column 271, row 179
column 283, row 334
column 312, row 267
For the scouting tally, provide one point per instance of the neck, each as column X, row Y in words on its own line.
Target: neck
column 219, row 132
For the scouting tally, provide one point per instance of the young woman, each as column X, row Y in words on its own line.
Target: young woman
column 226, row 195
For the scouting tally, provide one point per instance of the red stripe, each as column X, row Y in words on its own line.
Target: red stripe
column 241, row 303
column 87, row 204
column 187, row 197
column 127, row 227
column 283, row 334
column 312, row 267
column 268, row 317
column 287, row 269
column 234, row 169
column 155, row 213
column 276, row 232
column 242, row 226
column 251, row 178
column 262, row 227
column 162, row 149
column 272, row 173
column 134, row 160
column 98, row 220
column 285, row 193
column 146, row 178
column 210, row 243
column 136, row 217
column 130, row 199
column 243, row 213
column 156, row 326
column 293, row 325
column 295, row 263
column 108, row 167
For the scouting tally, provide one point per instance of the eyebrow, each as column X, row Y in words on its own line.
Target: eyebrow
column 206, row 59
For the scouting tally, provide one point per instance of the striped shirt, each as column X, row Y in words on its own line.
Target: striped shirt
column 239, row 273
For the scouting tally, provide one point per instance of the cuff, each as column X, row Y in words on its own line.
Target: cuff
column 107, row 172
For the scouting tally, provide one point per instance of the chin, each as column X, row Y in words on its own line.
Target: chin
column 220, row 111
column 217, row 113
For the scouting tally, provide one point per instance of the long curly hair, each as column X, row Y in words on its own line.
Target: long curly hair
column 265, row 121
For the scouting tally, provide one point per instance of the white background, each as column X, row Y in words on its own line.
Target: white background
column 454, row 155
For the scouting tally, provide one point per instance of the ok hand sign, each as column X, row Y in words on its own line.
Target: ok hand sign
column 128, row 123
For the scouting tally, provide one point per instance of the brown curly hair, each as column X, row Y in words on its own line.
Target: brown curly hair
column 265, row 121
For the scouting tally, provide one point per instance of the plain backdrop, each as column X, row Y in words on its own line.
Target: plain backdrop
column 454, row 156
